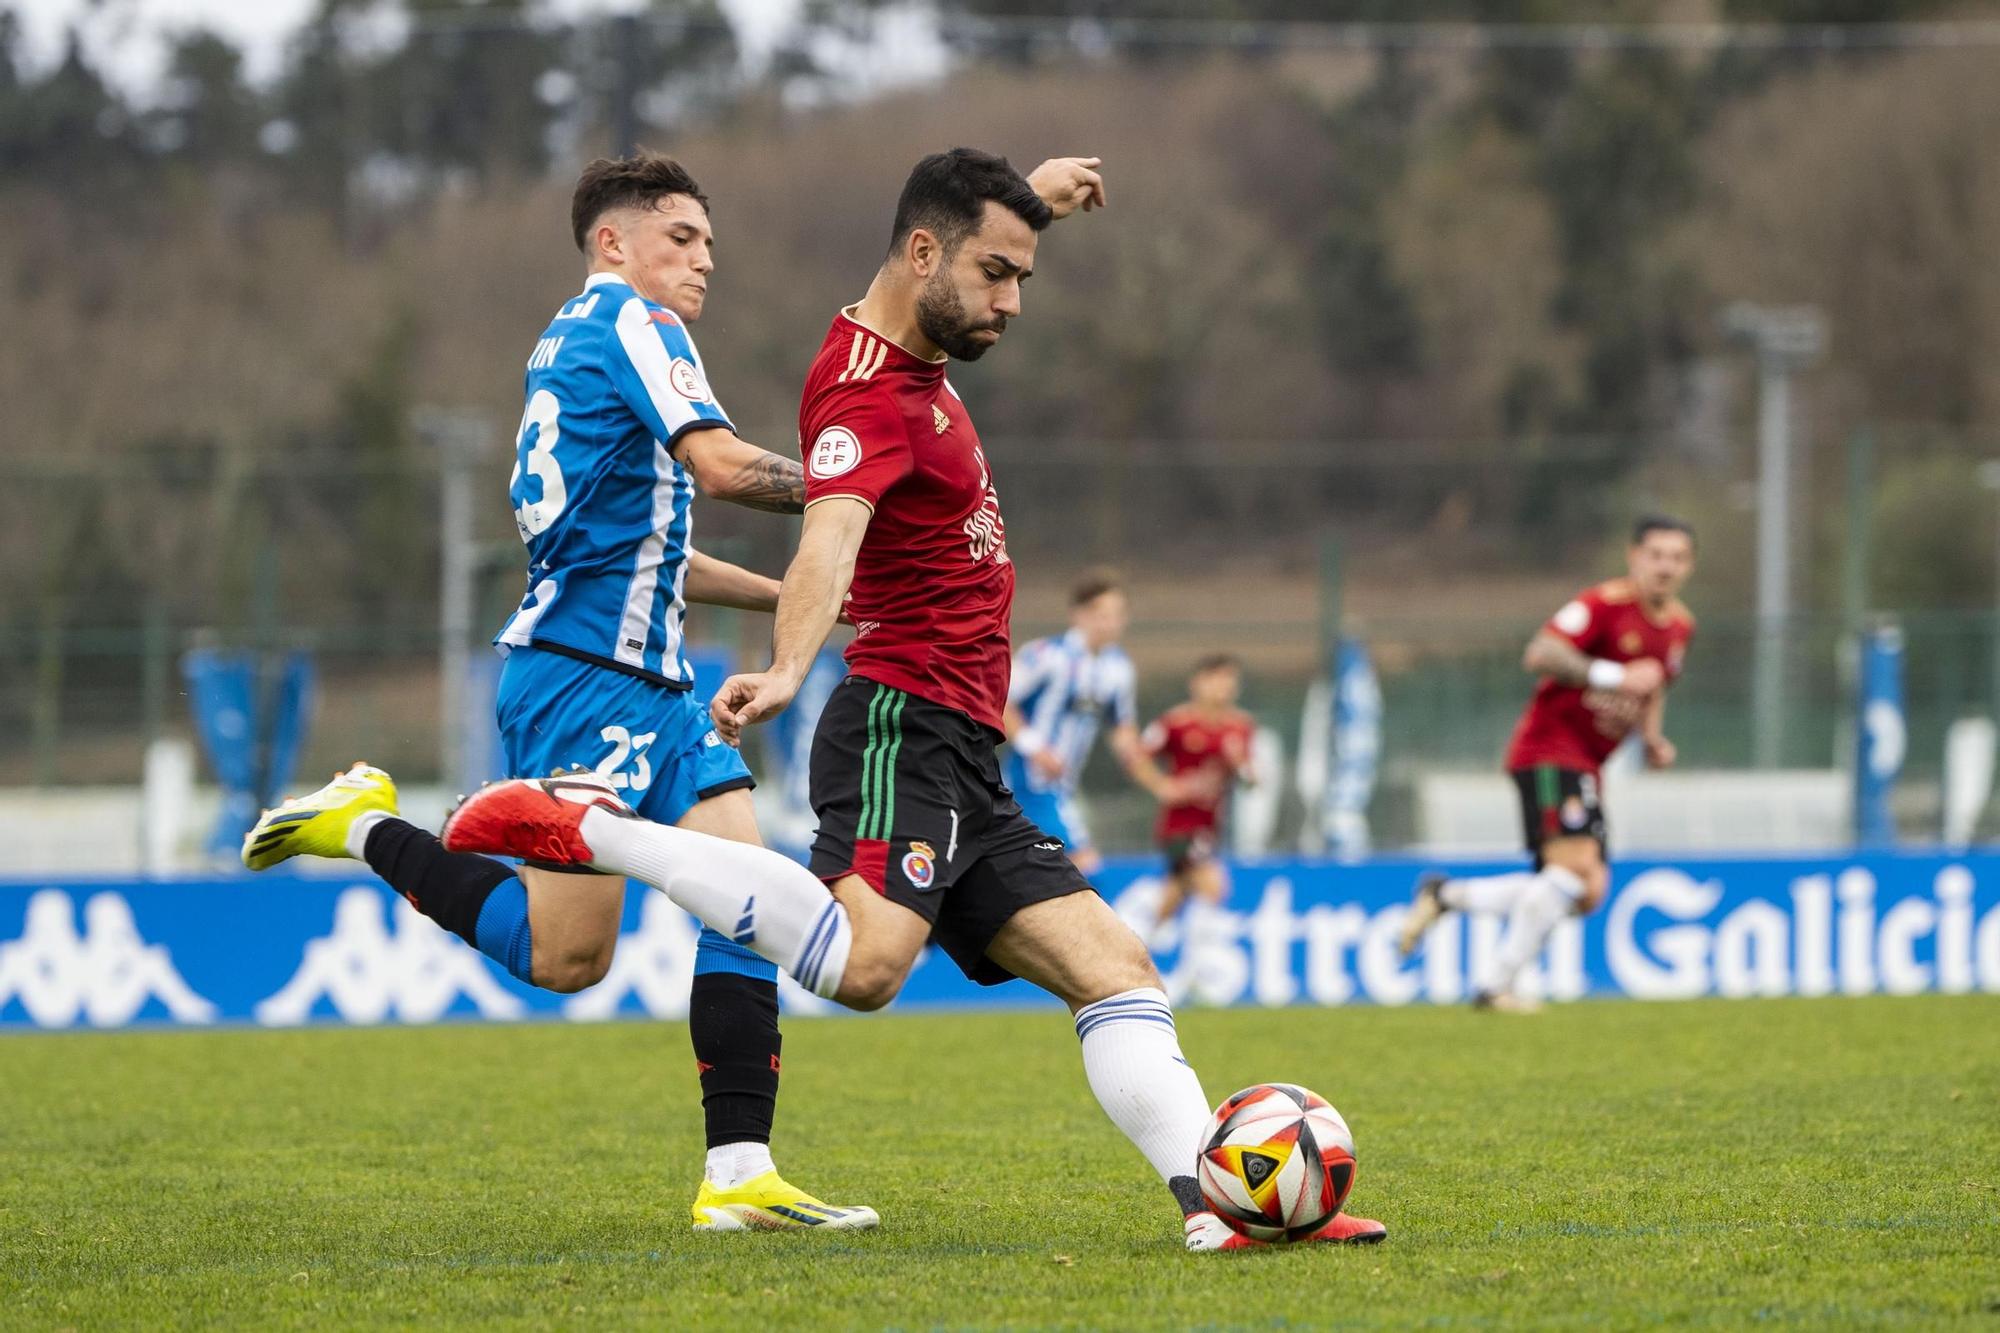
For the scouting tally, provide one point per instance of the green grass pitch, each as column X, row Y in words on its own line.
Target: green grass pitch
column 1719, row 1164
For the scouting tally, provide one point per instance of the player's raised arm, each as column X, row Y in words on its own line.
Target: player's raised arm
column 808, row 606
column 1069, row 183
column 732, row 469
column 715, row 582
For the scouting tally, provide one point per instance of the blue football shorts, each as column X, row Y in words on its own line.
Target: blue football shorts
column 655, row 744
column 1053, row 812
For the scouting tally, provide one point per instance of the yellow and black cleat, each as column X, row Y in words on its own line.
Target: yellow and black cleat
column 317, row 825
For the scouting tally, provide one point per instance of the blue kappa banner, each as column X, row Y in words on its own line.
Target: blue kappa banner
column 277, row 950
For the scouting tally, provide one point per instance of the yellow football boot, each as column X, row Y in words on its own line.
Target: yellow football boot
column 317, row 825
column 767, row 1203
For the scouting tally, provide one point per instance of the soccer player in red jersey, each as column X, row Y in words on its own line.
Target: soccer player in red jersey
column 919, row 839
column 1205, row 743
column 1605, row 661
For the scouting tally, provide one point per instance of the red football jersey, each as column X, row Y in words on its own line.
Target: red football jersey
column 1188, row 742
column 1575, row 727
column 933, row 587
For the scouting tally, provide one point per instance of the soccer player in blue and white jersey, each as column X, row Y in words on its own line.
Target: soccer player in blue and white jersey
column 1064, row 690
column 620, row 430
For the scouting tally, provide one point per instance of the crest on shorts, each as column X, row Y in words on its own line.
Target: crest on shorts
column 1574, row 816
column 939, row 419
column 920, row 865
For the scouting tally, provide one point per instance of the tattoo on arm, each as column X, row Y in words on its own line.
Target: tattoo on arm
column 768, row 482
column 1562, row 662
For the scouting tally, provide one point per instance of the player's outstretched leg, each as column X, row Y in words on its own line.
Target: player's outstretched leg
column 1553, row 893
column 739, row 889
column 1077, row 949
column 475, row 897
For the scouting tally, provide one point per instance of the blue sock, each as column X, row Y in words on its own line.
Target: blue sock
column 718, row 953
column 502, row 932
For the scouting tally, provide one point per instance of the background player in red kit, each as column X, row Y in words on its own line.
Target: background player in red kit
column 918, row 837
column 1605, row 661
column 1205, row 743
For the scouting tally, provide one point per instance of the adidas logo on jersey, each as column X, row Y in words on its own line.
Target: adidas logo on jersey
column 104, row 974
column 939, row 419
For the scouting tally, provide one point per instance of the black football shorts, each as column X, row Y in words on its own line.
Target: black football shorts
column 1558, row 803
column 909, row 797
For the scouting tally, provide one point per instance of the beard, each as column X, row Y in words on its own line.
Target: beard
column 941, row 317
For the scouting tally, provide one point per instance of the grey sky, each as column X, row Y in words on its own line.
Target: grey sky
column 125, row 36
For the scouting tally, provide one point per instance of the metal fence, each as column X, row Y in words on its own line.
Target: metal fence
column 78, row 706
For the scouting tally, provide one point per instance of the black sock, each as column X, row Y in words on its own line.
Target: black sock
column 447, row 887
column 734, row 1022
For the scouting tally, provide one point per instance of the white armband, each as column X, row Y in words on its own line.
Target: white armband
column 1605, row 675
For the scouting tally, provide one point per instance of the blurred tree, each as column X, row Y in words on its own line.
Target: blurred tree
column 209, row 115
column 69, row 128
column 1367, row 322
column 466, row 90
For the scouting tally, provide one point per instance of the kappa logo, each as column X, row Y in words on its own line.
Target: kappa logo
column 836, row 450
column 939, row 419
column 1052, row 845
column 370, row 972
column 104, row 975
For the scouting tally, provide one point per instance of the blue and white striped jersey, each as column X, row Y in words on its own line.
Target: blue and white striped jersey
column 602, row 505
column 1065, row 692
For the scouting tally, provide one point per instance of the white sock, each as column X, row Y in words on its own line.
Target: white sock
column 733, row 1163
column 765, row 902
column 1489, row 893
column 1132, row 1057
column 357, row 832
column 1549, row 897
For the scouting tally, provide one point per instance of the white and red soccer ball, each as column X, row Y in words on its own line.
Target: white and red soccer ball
column 1277, row 1163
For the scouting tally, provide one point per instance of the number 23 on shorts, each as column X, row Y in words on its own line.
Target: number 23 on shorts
column 628, row 751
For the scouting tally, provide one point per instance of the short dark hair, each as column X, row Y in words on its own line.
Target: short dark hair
column 1217, row 662
column 1651, row 523
column 1093, row 584
column 946, row 195
column 638, row 181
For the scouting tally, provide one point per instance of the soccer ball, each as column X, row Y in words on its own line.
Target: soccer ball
column 1277, row 1163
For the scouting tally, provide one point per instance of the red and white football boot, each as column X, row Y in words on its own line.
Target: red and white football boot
column 1206, row 1231
column 539, row 820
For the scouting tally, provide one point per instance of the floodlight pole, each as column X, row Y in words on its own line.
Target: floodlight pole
column 1787, row 340
column 458, row 437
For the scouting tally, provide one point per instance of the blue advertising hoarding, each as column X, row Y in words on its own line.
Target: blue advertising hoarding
column 279, row 950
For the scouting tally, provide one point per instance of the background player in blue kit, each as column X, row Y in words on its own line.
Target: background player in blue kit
column 1064, row 689
column 619, row 430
